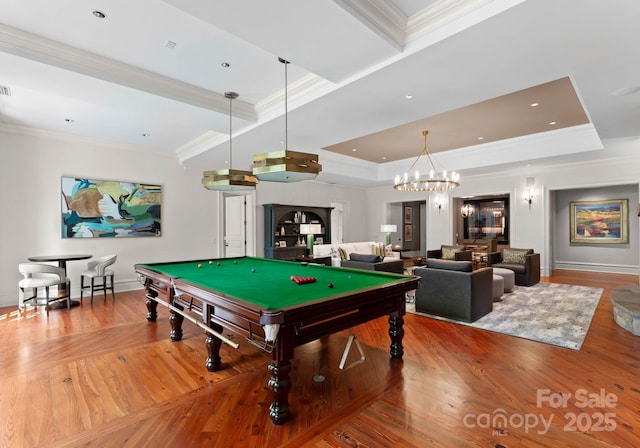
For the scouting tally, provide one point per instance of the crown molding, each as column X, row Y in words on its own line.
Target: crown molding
column 40, row 49
column 81, row 140
column 381, row 16
column 299, row 93
column 446, row 12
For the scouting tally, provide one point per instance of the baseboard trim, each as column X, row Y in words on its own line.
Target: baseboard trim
column 597, row 267
column 120, row 286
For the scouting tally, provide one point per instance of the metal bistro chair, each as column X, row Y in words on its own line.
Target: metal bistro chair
column 38, row 275
column 97, row 268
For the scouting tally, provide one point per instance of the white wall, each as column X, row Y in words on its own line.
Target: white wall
column 531, row 227
column 32, row 165
column 30, row 173
column 315, row 194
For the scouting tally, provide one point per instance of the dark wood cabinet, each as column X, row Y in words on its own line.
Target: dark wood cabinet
column 282, row 238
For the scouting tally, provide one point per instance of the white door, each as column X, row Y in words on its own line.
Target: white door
column 235, row 230
column 337, row 222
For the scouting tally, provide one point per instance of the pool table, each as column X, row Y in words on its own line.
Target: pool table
column 257, row 298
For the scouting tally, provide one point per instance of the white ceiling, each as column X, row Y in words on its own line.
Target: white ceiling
column 352, row 64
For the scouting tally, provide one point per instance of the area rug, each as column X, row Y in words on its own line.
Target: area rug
column 547, row 312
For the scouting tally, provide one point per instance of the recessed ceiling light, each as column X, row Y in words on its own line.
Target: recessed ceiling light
column 226, row 65
column 480, row 138
column 354, row 150
column 99, row 14
column 535, row 104
column 626, row 91
column 384, row 158
column 146, row 135
column 551, row 123
column 409, row 96
column 170, row 44
column 69, row 120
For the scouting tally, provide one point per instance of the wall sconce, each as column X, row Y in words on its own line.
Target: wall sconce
column 438, row 203
column 466, row 210
column 528, row 195
column 388, row 229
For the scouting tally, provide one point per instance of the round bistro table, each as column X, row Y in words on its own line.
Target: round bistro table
column 62, row 262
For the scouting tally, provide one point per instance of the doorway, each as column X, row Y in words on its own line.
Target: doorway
column 239, row 234
column 410, row 221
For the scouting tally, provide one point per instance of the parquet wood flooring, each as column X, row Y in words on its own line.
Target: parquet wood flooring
column 102, row 376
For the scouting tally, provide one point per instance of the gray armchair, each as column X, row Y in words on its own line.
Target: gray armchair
column 523, row 262
column 451, row 289
column 457, row 253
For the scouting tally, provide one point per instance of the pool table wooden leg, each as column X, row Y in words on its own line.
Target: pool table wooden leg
column 280, row 385
column 176, row 320
column 152, row 306
column 214, row 362
column 396, row 331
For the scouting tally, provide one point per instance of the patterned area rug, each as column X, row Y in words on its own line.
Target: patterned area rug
column 547, row 312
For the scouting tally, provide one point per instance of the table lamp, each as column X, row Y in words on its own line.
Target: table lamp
column 310, row 230
column 388, row 229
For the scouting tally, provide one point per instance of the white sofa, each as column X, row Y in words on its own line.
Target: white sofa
column 366, row 247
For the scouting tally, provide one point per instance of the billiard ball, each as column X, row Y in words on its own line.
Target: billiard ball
column 218, row 263
column 199, row 265
column 330, row 285
column 253, row 270
column 235, row 262
column 210, row 262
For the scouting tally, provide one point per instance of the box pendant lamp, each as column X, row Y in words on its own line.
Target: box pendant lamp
column 285, row 165
column 228, row 179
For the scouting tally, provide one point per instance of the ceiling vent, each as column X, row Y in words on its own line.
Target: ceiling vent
column 5, row 91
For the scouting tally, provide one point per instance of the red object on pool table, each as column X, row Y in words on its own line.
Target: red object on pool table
column 303, row 280
column 268, row 302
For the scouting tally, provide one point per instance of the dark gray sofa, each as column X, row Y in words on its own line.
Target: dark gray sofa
column 451, row 289
column 373, row 263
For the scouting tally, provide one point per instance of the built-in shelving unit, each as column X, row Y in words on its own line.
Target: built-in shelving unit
column 282, row 237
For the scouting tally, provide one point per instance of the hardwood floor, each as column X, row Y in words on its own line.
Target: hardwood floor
column 102, row 376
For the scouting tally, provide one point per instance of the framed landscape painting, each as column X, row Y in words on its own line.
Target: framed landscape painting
column 600, row 221
column 107, row 208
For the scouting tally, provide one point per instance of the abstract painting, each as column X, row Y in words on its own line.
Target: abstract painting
column 600, row 221
column 106, row 208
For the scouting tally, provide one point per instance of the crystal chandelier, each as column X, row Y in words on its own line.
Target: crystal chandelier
column 432, row 180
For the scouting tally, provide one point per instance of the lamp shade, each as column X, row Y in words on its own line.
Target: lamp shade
column 386, row 228
column 310, row 229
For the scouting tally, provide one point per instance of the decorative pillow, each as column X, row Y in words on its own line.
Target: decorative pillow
column 343, row 253
column 377, row 249
column 449, row 252
column 514, row 256
column 367, row 258
column 334, row 253
column 388, row 250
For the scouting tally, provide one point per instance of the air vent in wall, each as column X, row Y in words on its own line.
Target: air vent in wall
column 5, row 91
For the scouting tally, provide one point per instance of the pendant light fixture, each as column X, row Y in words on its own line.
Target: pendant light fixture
column 228, row 179
column 431, row 180
column 286, row 165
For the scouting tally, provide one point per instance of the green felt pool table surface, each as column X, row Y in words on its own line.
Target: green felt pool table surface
column 267, row 283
